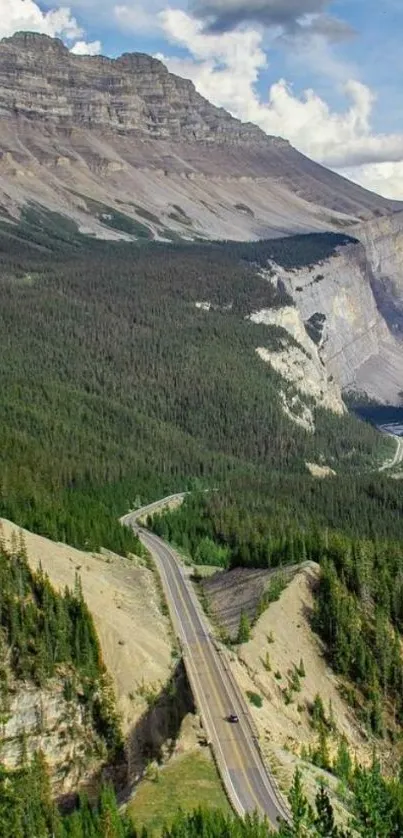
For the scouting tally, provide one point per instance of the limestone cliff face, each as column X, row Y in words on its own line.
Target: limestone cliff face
column 383, row 242
column 134, row 93
column 127, row 134
column 340, row 303
column 301, row 365
column 35, row 719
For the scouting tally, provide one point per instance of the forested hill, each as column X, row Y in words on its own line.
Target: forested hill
column 117, row 389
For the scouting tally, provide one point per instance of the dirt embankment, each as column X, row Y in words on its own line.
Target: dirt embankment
column 282, row 641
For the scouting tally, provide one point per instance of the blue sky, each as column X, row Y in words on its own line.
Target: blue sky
column 326, row 75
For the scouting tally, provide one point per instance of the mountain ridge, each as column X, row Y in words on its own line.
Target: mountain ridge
column 77, row 129
column 126, row 150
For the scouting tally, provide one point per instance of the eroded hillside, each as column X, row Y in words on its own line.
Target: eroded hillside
column 55, row 694
column 346, row 318
column 294, row 695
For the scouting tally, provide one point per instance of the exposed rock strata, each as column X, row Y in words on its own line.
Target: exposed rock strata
column 42, row 719
column 343, row 298
column 301, row 365
column 128, row 133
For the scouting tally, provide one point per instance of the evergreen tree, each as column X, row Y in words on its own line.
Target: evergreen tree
column 343, row 764
column 301, row 812
column 244, row 628
column 324, row 822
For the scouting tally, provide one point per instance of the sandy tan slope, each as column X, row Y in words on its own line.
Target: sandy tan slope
column 282, row 637
column 288, row 622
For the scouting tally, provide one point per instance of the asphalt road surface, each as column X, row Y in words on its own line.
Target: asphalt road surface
column 248, row 783
column 398, row 457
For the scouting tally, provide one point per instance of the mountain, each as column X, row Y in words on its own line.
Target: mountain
column 125, row 148
column 135, row 369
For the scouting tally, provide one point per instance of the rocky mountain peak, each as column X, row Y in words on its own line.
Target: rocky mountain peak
column 140, row 62
column 34, row 41
column 42, row 79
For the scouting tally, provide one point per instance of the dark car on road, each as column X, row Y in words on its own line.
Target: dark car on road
column 233, row 718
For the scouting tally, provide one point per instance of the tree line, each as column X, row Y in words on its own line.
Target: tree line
column 284, row 519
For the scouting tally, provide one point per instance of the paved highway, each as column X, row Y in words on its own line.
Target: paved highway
column 398, row 458
column 248, row 784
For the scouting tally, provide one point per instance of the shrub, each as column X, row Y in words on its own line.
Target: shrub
column 255, row 698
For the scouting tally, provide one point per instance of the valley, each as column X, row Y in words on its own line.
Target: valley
column 192, row 310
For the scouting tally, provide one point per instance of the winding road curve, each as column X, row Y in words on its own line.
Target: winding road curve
column 398, row 457
column 249, row 785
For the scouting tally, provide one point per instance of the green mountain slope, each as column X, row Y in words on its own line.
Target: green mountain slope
column 116, row 387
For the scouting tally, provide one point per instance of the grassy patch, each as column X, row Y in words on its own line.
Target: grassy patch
column 116, row 220
column 245, row 209
column 187, row 783
column 145, row 213
column 180, row 219
column 204, row 571
column 255, row 698
column 180, row 216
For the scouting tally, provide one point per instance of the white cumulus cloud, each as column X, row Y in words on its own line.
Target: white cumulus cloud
column 385, row 178
column 84, row 48
column 137, row 17
column 26, row 16
column 225, row 68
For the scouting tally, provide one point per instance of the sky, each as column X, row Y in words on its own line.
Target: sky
column 324, row 74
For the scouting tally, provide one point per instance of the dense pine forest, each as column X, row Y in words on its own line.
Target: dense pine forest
column 117, row 390
column 359, row 614
column 282, row 518
column 27, row 810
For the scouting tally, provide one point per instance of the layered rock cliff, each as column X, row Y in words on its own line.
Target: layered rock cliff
column 350, row 305
column 46, row 720
column 383, row 242
column 130, row 136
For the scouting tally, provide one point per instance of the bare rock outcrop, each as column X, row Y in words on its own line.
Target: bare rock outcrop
column 301, row 362
column 127, row 133
column 342, row 304
column 35, row 719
